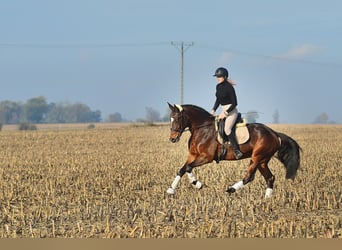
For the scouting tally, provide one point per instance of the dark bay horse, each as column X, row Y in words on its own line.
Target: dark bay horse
column 204, row 147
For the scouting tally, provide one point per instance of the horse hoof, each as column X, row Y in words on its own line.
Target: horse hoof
column 198, row 185
column 170, row 191
column 231, row 190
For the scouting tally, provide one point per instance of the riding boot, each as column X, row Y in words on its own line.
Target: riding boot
column 235, row 145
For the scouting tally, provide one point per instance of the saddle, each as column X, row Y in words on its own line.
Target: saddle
column 239, row 129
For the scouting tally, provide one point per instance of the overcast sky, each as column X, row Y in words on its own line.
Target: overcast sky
column 116, row 56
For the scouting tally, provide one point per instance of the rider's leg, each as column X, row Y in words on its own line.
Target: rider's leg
column 235, row 145
column 230, row 121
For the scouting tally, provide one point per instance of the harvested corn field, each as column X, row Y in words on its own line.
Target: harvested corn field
column 112, row 182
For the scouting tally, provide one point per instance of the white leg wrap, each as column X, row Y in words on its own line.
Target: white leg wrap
column 175, row 182
column 198, row 185
column 238, row 185
column 191, row 177
column 170, row 191
column 268, row 193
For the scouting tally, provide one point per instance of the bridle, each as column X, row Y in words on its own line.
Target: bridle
column 181, row 125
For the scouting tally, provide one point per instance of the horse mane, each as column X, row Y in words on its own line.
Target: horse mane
column 197, row 108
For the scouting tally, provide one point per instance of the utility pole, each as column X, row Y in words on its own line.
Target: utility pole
column 182, row 47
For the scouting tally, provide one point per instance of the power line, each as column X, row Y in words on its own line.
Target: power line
column 77, row 45
column 268, row 57
column 182, row 47
column 151, row 44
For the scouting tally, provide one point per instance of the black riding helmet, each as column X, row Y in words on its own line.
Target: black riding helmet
column 221, row 72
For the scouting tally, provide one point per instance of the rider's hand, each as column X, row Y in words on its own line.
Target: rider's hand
column 222, row 116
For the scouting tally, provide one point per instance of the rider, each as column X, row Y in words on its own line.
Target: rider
column 226, row 97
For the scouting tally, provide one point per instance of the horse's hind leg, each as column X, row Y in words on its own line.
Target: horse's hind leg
column 249, row 176
column 269, row 178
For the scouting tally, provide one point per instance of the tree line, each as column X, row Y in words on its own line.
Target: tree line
column 38, row 110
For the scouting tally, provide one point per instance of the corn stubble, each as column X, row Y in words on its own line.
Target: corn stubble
column 111, row 183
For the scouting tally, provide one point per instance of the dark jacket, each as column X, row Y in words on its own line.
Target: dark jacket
column 225, row 94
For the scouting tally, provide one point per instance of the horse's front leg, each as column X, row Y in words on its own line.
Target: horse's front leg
column 187, row 168
column 192, row 179
column 181, row 172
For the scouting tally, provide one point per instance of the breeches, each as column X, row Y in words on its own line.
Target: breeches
column 230, row 120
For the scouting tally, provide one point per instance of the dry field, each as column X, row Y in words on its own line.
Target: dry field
column 111, row 183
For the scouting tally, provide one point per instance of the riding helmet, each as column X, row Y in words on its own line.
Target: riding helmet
column 221, row 72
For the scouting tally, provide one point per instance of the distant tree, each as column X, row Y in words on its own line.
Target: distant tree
column 276, row 117
column 10, row 112
column 35, row 109
column 71, row 113
column 81, row 113
column 152, row 115
column 116, row 117
column 56, row 113
column 322, row 118
column 251, row 116
column 94, row 116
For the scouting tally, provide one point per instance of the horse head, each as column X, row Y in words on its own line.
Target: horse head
column 178, row 122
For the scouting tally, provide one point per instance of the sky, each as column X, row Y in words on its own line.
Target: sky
column 117, row 56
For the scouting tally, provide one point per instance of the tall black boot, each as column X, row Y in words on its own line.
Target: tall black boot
column 235, row 145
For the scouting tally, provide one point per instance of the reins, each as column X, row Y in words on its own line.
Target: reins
column 188, row 129
column 181, row 130
column 201, row 126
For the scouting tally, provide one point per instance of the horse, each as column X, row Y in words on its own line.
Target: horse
column 204, row 148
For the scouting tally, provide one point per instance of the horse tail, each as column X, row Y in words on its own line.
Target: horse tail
column 289, row 155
